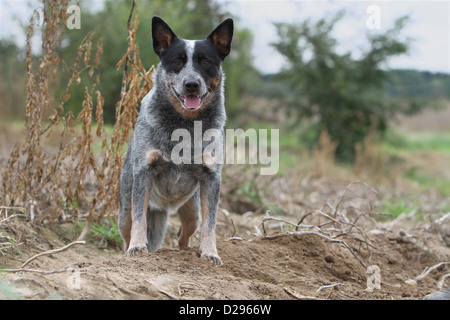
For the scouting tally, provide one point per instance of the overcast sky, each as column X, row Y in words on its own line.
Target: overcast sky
column 429, row 26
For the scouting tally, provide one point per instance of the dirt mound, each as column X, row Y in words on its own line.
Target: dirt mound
column 346, row 250
column 297, row 265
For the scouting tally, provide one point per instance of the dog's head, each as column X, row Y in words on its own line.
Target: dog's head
column 191, row 68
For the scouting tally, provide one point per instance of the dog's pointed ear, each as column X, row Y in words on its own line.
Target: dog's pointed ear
column 222, row 36
column 162, row 35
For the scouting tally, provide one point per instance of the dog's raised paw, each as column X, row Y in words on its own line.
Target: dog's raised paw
column 136, row 251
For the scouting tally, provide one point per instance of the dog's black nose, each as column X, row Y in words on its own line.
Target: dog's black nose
column 191, row 86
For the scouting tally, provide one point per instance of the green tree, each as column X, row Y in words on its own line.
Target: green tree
column 110, row 24
column 342, row 94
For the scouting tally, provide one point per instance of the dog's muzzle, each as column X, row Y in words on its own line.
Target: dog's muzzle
column 190, row 101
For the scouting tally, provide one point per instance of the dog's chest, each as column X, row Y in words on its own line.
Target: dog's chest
column 172, row 186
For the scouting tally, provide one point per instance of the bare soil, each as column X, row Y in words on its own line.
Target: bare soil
column 293, row 265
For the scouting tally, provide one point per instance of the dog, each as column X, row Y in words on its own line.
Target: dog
column 188, row 88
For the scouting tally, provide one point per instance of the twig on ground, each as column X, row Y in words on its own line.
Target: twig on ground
column 234, row 228
column 8, row 218
column 269, row 218
column 441, row 282
column 35, row 271
column 6, row 208
column 303, row 217
column 299, row 296
column 235, row 239
column 51, row 252
column 185, row 286
column 443, row 218
column 328, row 216
column 17, row 211
column 427, row 271
column 331, row 286
column 339, row 221
column 264, row 229
column 39, row 271
column 356, row 238
column 160, row 290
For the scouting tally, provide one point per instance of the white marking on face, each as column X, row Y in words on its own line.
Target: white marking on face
column 188, row 72
column 190, row 45
column 188, row 69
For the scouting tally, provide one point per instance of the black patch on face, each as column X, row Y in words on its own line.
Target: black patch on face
column 206, row 61
column 174, row 58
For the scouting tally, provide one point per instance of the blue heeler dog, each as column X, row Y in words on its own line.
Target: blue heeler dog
column 188, row 88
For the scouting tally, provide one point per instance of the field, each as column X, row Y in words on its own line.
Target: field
column 312, row 232
column 377, row 229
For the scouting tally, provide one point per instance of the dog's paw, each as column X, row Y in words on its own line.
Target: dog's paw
column 214, row 258
column 136, row 251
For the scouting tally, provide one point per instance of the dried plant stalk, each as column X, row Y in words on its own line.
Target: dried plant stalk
column 74, row 181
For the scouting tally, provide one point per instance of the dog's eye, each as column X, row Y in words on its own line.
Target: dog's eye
column 177, row 62
column 205, row 62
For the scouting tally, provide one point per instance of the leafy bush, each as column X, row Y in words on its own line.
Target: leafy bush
column 341, row 94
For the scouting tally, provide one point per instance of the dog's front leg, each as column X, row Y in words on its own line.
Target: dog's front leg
column 140, row 199
column 209, row 196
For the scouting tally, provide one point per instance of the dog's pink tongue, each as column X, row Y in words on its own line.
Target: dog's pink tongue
column 191, row 102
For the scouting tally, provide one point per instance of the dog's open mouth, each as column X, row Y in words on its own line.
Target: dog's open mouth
column 190, row 102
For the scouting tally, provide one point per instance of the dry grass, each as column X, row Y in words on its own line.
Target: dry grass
column 370, row 160
column 71, row 183
column 323, row 154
